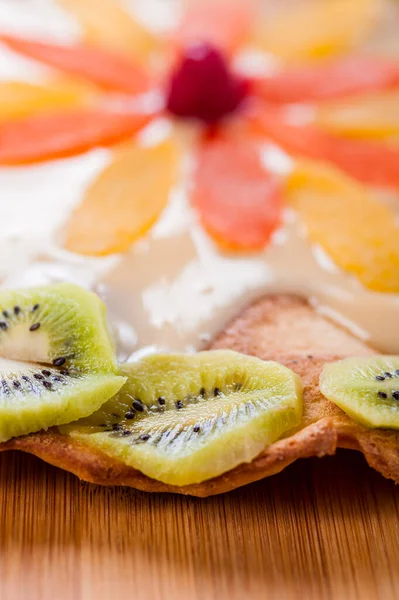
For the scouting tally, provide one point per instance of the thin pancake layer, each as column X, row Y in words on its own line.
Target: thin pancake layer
column 281, row 328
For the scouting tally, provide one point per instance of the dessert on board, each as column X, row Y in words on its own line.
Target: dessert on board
column 200, row 280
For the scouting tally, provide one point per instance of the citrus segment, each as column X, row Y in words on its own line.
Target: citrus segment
column 124, row 201
column 314, row 29
column 238, row 201
column 20, row 99
column 108, row 25
column 108, row 70
column 371, row 116
column 371, row 162
column 222, row 23
column 358, row 232
column 314, row 83
column 55, row 135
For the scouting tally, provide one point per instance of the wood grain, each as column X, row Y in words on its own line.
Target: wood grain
column 322, row 529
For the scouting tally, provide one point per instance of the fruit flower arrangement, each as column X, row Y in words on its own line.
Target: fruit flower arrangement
column 122, row 77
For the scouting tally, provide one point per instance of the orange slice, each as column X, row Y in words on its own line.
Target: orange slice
column 359, row 233
column 372, row 162
column 371, row 116
column 56, row 135
column 107, row 24
column 316, row 29
column 223, row 23
column 124, row 201
column 21, row 99
column 108, row 70
column 345, row 77
column 238, row 201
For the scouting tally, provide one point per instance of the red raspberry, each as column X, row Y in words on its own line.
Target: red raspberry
column 203, row 87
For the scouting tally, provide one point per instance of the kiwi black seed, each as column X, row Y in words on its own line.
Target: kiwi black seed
column 58, row 362
column 395, row 395
column 138, row 405
column 382, row 395
column 3, row 325
column 34, row 327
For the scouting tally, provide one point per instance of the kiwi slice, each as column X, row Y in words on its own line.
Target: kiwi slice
column 366, row 388
column 61, row 325
column 34, row 397
column 56, row 358
column 184, row 419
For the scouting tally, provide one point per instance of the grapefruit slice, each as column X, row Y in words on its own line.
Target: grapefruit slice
column 239, row 203
column 106, row 69
column 222, row 23
column 371, row 162
column 108, row 25
column 124, row 201
column 359, row 232
column 21, row 98
column 313, row 29
column 60, row 134
column 341, row 78
column 372, row 116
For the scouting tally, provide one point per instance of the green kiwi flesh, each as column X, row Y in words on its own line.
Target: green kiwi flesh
column 34, row 397
column 60, row 325
column 184, row 419
column 57, row 361
column 366, row 388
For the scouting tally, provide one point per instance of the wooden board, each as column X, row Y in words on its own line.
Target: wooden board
column 323, row 529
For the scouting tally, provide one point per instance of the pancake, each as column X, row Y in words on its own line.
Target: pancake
column 283, row 328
